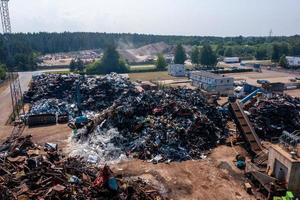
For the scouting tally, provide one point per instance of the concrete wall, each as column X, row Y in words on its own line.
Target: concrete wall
column 291, row 168
column 176, row 70
column 293, row 61
column 294, row 183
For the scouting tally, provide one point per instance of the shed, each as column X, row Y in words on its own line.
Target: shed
column 176, row 70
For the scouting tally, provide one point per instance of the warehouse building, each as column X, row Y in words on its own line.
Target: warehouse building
column 176, row 70
column 212, row 83
column 293, row 61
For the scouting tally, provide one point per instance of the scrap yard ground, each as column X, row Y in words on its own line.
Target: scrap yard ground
column 215, row 177
column 272, row 76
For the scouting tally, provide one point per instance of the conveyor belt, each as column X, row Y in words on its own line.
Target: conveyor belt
column 245, row 127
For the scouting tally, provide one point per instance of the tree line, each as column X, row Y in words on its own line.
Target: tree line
column 20, row 51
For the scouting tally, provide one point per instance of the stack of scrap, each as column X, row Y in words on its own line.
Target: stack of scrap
column 30, row 172
column 49, row 106
column 158, row 125
column 274, row 115
column 93, row 93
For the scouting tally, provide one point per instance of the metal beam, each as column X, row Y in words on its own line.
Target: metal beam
column 5, row 16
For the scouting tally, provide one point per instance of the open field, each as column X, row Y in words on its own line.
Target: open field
column 152, row 76
column 272, row 76
column 59, row 72
column 142, row 67
column 262, row 62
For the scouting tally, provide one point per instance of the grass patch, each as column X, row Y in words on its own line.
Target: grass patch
column 58, row 72
column 152, row 76
column 142, row 67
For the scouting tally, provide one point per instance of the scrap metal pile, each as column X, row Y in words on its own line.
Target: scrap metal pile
column 94, row 93
column 158, row 125
column 272, row 116
column 31, row 172
column 49, row 106
column 166, row 124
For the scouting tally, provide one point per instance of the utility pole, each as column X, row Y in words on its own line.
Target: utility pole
column 15, row 87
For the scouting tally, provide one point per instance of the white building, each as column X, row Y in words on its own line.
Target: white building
column 212, row 83
column 293, row 61
column 176, row 70
column 231, row 59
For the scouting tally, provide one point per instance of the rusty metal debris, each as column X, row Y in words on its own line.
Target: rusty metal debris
column 157, row 125
column 94, row 93
column 31, row 172
column 272, row 116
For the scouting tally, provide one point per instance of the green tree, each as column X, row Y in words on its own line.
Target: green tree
column 283, row 61
column 276, row 53
column 2, row 72
column 279, row 49
column 72, row 65
column 80, row 65
column 208, row 57
column 195, row 56
column 161, row 63
column 220, row 50
column 295, row 51
column 228, row 52
column 261, row 53
column 110, row 62
column 180, row 55
column 76, row 65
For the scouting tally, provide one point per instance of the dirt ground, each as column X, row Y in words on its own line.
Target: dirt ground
column 272, row 76
column 214, row 178
column 294, row 93
column 5, row 131
column 57, row 134
column 4, row 85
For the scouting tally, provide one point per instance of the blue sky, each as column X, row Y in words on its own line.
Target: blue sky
column 172, row 17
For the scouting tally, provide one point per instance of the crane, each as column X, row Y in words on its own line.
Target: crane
column 13, row 77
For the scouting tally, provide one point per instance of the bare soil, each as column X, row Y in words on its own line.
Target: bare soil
column 214, row 178
column 57, row 134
